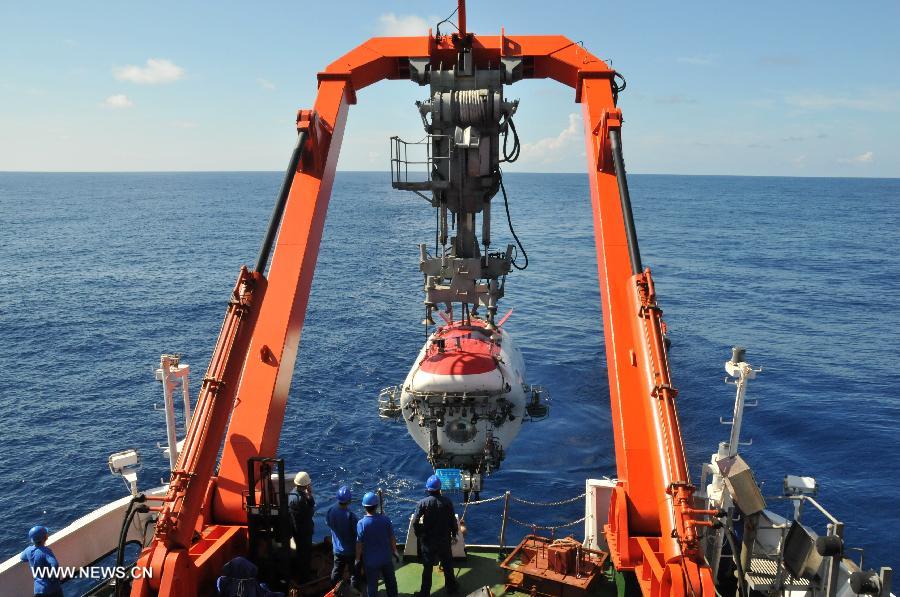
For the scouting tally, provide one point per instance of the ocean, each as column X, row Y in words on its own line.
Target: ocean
column 104, row 272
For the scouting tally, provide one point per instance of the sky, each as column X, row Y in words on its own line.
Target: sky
column 797, row 88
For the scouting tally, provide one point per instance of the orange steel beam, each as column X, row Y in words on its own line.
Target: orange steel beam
column 650, row 530
column 259, row 411
column 186, row 495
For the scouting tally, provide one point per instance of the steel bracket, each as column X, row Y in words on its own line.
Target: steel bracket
column 657, row 391
column 609, row 119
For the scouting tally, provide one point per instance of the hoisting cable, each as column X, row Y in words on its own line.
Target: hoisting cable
column 278, row 210
column 437, row 28
column 511, row 229
column 471, row 106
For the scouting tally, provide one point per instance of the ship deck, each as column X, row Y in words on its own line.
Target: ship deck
column 482, row 568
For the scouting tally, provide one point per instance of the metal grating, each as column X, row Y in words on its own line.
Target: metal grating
column 763, row 576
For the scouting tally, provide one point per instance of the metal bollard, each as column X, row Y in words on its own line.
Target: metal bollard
column 503, row 524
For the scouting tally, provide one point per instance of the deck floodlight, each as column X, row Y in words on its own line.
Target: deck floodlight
column 126, row 465
column 795, row 485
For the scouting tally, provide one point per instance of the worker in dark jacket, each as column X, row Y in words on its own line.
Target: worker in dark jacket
column 436, row 527
column 44, row 567
column 302, row 506
column 342, row 522
column 239, row 580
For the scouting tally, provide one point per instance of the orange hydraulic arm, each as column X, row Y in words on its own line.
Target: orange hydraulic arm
column 202, row 521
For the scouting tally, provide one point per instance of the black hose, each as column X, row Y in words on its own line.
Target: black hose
column 278, row 210
column 616, row 88
column 634, row 252
column 511, row 229
column 123, row 534
column 735, row 554
column 516, row 148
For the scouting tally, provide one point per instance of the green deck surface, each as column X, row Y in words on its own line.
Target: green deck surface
column 482, row 568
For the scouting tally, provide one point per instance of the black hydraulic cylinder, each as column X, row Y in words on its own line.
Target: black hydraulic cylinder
column 278, row 211
column 634, row 252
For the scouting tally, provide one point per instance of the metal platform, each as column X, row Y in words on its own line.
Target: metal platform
column 763, row 576
column 480, row 568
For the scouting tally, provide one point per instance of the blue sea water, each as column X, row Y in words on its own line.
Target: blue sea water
column 103, row 272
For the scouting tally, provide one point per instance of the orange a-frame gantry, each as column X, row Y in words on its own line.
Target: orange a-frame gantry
column 652, row 527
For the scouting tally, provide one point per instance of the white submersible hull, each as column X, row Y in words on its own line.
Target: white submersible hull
column 465, row 398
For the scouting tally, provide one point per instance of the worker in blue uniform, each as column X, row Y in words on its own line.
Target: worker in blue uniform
column 342, row 522
column 301, row 507
column 375, row 545
column 435, row 525
column 44, row 566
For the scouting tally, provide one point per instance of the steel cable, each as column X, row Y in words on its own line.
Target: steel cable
column 543, row 527
column 547, row 504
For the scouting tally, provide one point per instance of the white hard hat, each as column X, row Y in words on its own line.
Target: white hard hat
column 302, row 479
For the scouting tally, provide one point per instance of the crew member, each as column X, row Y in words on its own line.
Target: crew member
column 342, row 522
column 239, row 580
column 44, row 566
column 375, row 543
column 436, row 527
column 302, row 506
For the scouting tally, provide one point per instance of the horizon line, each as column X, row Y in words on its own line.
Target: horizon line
column 388, row 172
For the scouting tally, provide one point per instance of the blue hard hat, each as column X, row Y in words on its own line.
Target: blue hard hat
column 38, row 534
column 433, row 483
column 370, row 499
column 344, row 496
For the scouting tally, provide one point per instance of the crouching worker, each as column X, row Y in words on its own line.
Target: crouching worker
column 239, row 580
column 375, row 545
column 342, row 522
column 44, row 567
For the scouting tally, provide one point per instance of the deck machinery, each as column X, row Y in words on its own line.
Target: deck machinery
column 653, row 528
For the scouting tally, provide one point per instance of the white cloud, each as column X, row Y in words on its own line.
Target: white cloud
column 266, row 84
column 863, row 158
column 184, row 124
column 551, row 149
column 392, row 25
column 695, row 60
column 157, row 72
column 117, row 101
column 873, row 101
